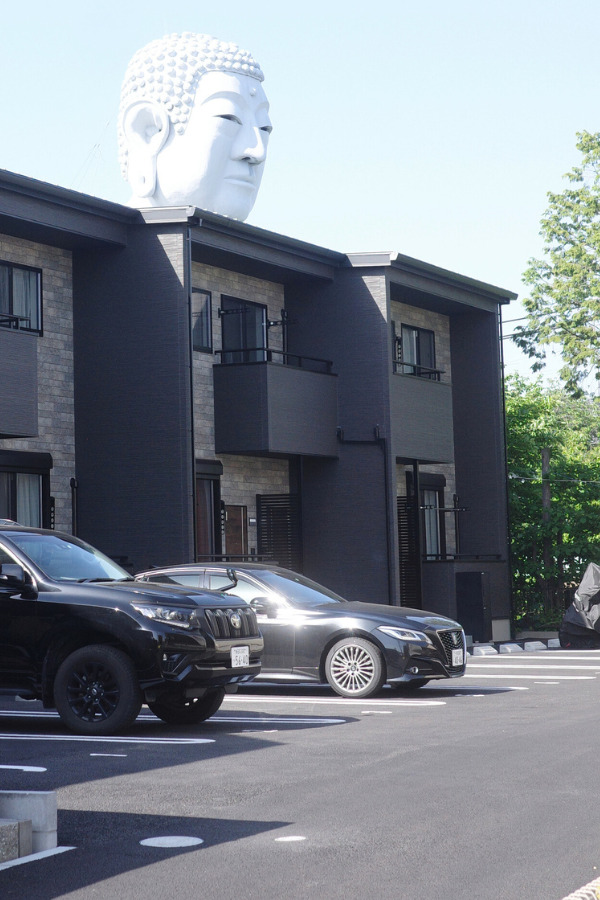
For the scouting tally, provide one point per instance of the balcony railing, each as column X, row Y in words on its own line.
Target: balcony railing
column 405, row 368
column 461, row 557
column 235, row 558
column 17, row 322
column 279, row 357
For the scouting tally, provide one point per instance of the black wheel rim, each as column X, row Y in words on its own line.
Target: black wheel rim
column 92, row 692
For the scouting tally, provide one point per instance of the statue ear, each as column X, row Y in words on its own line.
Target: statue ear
column 146, row 128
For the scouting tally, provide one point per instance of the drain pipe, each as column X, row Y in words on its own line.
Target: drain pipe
column 74, row 485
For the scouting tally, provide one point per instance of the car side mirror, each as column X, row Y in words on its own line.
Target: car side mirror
column 265, row 606
column 12, row 575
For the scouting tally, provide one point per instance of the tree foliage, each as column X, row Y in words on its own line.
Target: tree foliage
column 564, row 300
column 549, row 557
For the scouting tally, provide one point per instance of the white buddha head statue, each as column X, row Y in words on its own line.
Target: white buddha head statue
column 193, row 125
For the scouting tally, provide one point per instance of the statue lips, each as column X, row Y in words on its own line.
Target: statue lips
column 244, row 174
column 248, row 183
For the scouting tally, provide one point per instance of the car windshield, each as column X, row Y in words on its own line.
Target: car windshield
column 64, row 559
column 298, row 589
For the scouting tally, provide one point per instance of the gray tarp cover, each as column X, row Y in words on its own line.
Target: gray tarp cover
column 584, row 611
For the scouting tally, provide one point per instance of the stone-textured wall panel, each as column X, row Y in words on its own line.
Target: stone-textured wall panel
column 56, row 427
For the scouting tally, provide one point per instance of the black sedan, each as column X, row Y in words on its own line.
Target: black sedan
column 312, row 634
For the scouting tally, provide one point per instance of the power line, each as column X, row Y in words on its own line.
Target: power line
column 552, row 479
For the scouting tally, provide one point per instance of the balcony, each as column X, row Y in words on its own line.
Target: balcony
column 19, row 381
column 422, row 426
column 279, row 403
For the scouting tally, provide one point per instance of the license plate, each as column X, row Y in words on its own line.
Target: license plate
column 240, row 656
column 457, row 657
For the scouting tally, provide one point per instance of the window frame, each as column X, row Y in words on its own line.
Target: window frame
column 245, row 353
column 10, row 314
column 433, row 522
column 14, row 463
column 195, row 318
column 416, row 368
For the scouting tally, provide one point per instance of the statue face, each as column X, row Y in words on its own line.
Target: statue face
column 217, row 163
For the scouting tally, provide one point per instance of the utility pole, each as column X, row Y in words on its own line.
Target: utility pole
column 548, row 582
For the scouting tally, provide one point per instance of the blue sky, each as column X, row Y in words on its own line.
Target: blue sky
column 433, row 129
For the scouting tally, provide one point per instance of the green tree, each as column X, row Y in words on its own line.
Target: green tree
column 551, row 546
column 564, row 299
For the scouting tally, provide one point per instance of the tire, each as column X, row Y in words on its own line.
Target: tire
column 96, row 690
column 176, row 710
column 580, row 641
column 354, row 668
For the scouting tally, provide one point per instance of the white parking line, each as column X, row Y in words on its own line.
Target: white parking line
column 288, row 720
column 118, row 755
column 84, row 738
column 479, row 675
column 514, row 665
column 590, row 655
column 43, row 854
column 336, row 701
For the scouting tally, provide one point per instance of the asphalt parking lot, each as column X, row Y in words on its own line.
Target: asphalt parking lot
column 478, row 787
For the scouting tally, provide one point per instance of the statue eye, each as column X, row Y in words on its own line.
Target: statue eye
column 230, row 118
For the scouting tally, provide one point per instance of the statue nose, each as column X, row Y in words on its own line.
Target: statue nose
column 251, row 145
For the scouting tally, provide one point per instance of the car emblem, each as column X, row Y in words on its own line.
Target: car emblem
column 236, row 620
column 456, row 638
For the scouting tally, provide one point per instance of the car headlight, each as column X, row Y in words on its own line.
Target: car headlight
column 405, row 634
column 169, row 615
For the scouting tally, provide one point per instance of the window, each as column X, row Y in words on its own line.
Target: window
column 201, row 320
column 244, row 588
column 243, row 330
column 416, row 352
column 21, row 498
column 191, row 581
column 432, row 503
column 20, row 297
column 209, row 518
column 25, row 488
column 425, row 533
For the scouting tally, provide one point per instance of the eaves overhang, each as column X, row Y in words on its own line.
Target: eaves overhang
column 231, row 244
column 38, row 211
column 431, row 286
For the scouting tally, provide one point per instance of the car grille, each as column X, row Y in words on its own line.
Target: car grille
column 451, row 640
column 221, row 626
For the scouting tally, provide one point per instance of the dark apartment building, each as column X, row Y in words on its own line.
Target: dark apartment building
column 176, row 385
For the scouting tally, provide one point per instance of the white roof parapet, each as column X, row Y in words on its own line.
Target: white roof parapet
column 371, row 258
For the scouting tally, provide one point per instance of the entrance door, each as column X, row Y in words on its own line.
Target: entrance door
column 208, row 518
column 236, row 530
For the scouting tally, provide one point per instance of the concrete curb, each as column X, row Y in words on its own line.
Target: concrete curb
column 15, row 839
column 28, row 823
column 506, row 647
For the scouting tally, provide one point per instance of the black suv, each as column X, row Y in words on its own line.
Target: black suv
column 77, row 632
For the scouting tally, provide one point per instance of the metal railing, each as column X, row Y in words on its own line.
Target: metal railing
column 235, row 557
column 461, row 557
column 7, row 320
column 405, row 368
column 279, row 357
